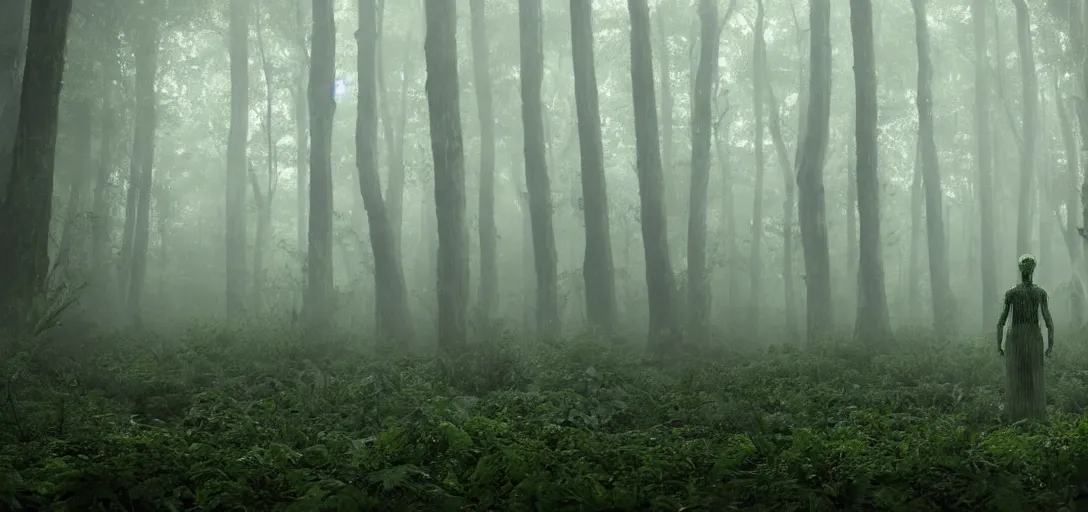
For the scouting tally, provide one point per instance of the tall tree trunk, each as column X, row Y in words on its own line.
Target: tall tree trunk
column 12, row 56
column 447, row 145
column 237, row 166
column 394, row 140
column 787, row 211
column 82, row 118
column 943, row 312
column 302, row 122
column 664, row 63
column 598, row 268
column 873, row 323
column 536, row 168
column 101, row 205
column 755, row 266
column 984, row 163
column 264, row 194
column 1072, row 204
column 663, row 332
column 810, row 174
column 318, row 301
column 393, row 317
column 25, row 213
column 146, row 58
column 489, row 275
column 917, row 203
column 1029, row 122
column 698, row 284
column 852, row 216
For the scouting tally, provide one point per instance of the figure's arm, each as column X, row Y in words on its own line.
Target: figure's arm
column 1044, row 305
column 1004, row 317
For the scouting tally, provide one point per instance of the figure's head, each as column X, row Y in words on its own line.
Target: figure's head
column 1027, row 265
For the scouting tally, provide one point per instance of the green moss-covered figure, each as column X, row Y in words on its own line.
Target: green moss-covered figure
column 1024, row 386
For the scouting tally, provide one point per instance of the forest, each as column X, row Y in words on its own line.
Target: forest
column 676, row 255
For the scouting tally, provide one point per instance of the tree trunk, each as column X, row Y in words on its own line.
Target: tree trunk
column 664, row 63
column 12, row 56
column 394, row 141
column 787, row 211
column 302, row 121
column 264, row 194
column 698, row 306
column 82, row 119
column 25, row 214
column 489, row 275
column 536, row 168
column 873, row 323
column 917, row 203
column 597, row 268
column 101, row 206
column 810, row 174
column 447, row 145
column 318, row 301
column 1068, row 182
column 755, row 266
column 146, row 59
column 393, row 317
column 1029, row 122
column 984, row 162
column 237, row 166
column 943, row 313
column 663, row 332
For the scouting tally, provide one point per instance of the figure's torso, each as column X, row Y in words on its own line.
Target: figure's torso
column 1025, row 299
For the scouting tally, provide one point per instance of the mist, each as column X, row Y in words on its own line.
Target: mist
column 640, row 191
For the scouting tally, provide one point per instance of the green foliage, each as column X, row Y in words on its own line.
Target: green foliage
column 273, row 421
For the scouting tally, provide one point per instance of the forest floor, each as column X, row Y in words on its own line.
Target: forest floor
column 268, row 421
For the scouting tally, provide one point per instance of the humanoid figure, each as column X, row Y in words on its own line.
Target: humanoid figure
column 1023, row 350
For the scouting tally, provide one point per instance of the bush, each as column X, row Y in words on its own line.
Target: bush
column 273, row 421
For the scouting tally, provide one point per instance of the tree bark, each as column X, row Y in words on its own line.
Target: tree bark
column 101, row 205
column 788, row 206
column 810, row 174
column 663, row 332
column 302, row 121
column 82, row 119
column 698, row 306
column 237, row 166
column 943, row 312
column 263, row 194
column 489, row 276
column 146, row 58
column 12, row 56
column 984, row 163
column 393, row 318
column 598, row 268
column 664, row 63
column 1029, row 121
column 394, row 140
column 447, row 145
column 318, row 301
column 536, row 168
column 917, row 203
column 873, row 322
column 755, row 264
column 25, row 214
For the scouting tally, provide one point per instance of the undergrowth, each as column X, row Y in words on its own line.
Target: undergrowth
column 265, row 420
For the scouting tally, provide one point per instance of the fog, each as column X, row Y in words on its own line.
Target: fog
column 221, row 231
column 543, row 255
